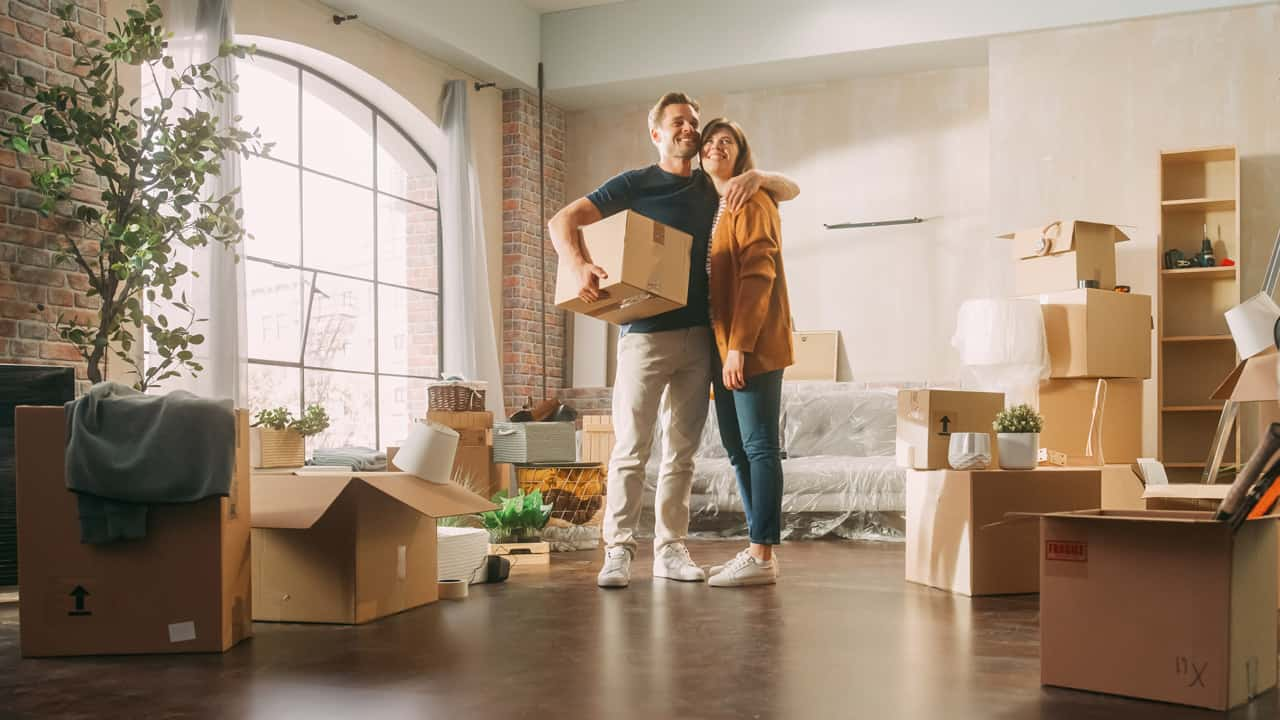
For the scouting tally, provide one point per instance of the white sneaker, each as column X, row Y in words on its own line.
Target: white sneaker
column 715, row 569
column 616, row 572
column 673, row 562
column 745, row 570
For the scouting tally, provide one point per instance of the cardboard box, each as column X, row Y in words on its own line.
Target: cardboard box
column 1059, row 255
column 347, row 548
column 926, row 419
column 647, row 264
column 183, row 588
column 1158, row 605
column 1121, row 488
column 1067, row 407
column 1257, row 379
column 953, row 541
column 1196, row 497
column 597, row 439
column 1098, row 334
column 816, row 355
column 473, row 463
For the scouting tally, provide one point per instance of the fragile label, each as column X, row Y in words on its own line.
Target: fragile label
column 182, row 632
column 1069, row 550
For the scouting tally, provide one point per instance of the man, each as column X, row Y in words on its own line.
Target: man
column 671, row 351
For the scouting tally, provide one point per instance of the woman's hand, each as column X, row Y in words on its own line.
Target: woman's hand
column 732, row 373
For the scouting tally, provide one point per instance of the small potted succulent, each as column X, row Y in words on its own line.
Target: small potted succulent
column 518, row 519
column 279, row 439
column 1018, row 437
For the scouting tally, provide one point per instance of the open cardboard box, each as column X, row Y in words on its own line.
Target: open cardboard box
column 1160, row 605
column 348, row 547
column 1256, row 379
column 1057, row 256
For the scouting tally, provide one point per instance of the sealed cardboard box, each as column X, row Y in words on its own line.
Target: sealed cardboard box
column 182, row 588
column 597, row 439
column 957, row 536
column 1158, row 605
column 1121, row 488
column 1058, row 256
column 348, row 548
column 647, row 264
column 1068, row 410
column 927, row 418
column 816, row 355
column 1097, row 334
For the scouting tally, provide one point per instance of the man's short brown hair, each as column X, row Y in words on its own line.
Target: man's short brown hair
column 671, row 98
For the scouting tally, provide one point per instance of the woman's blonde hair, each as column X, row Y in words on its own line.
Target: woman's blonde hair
column 745, row 161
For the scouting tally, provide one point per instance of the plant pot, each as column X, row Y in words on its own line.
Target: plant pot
column 277, row 448
column 1018, row 451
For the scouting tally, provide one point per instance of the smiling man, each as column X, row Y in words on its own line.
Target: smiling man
column 669, row 352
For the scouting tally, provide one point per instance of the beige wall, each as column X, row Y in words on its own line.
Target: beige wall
column 1078, row 118
column 417, row 78
column 862, row 149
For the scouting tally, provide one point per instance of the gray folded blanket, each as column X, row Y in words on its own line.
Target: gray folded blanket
column 127, row 451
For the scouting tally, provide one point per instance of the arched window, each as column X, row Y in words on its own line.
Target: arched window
column 343, row 270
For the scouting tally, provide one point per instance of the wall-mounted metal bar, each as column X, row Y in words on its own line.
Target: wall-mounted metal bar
column 876, row 223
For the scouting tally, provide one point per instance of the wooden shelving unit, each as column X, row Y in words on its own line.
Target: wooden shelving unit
column 1198, row 188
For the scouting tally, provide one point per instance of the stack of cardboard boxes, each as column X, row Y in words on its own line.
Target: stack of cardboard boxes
column 1096, row 335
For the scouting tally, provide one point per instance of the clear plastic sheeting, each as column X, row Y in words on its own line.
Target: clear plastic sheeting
column 839, row 474
column 1002, row 347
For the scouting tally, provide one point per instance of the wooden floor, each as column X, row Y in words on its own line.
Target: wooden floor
column 841, row 637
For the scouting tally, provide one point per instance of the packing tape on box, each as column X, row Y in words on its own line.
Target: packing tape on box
column 453, row 589
column 1252, row 324
column 428, row 452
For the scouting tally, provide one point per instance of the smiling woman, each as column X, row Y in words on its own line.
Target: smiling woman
column 343, row 270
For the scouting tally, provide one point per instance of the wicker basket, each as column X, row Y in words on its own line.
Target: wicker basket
column 455, row 396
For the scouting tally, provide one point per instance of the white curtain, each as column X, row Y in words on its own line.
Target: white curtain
column 470, row 347
column 199, row 28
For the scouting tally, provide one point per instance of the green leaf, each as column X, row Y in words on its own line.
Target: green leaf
column 20, row 144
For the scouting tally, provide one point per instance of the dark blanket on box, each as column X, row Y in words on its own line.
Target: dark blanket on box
column 127, row 451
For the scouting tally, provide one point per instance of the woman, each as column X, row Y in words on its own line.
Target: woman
column 751, row 321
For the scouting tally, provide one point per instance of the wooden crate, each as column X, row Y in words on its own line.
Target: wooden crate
column 523, row 554
column 597, row 438
column 277, row 448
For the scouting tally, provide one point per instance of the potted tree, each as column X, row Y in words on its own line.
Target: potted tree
column 124, row 187
column 279, row 440
column 1018, row 437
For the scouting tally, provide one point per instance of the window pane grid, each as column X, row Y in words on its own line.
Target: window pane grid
column 409, row 178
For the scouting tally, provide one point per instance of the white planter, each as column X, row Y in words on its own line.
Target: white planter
column 1018, row 451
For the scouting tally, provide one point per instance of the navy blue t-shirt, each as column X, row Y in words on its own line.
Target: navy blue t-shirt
column 687, row 204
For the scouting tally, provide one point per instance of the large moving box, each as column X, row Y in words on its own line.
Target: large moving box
column 957, row 537
column 1121, row 488
column 1058, row 256
column 1158, row 605
column 927, row 418
column 647, row 264
column 1067, row 407
column 1098, row 334
column 182, row 588
column 346, row 547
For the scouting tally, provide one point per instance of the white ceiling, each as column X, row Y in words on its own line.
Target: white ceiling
column 543, row 7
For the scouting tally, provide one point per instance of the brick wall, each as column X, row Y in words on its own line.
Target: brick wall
column 589, row 401
column 526, row 302
column 34, row 288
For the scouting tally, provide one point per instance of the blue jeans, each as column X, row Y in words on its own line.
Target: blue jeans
column 748, row 420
